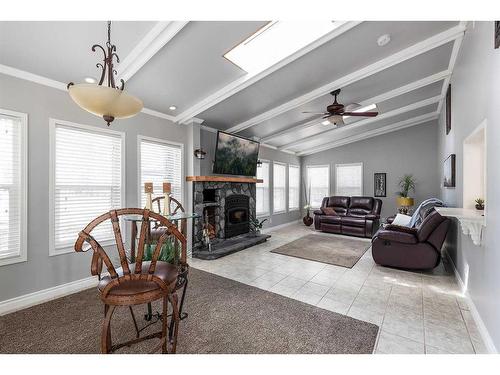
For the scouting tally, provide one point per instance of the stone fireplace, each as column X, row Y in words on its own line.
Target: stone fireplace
column 225, row 206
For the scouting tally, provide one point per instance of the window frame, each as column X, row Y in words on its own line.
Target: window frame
column 22, row 256
column 328, row 179
column 268, row 212
column 140, row 138
column 349, row 165
column 52, row 159
column 292, row 209
column 285, row 210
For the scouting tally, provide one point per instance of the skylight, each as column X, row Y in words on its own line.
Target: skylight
column 276, row 41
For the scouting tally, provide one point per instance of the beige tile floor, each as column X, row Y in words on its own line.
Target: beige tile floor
column 416, row 312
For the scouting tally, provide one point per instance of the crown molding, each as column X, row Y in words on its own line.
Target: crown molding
column 373, row 133
column 27, row 76
column 357, row 124
column 162, row 33
column 250, row 79
column 376, row 99
column 394, row 59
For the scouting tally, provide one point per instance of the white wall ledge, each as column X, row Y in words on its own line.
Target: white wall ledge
column 472, row 221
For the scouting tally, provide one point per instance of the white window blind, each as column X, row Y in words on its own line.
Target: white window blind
column 349, row 179
column 293, row 187
column 12, row 187
column 279, row 187
column 262, row 190
column 318, row 183
column 87, row 181
column 160, row 162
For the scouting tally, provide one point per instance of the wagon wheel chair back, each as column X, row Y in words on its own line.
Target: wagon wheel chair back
column 140, row 282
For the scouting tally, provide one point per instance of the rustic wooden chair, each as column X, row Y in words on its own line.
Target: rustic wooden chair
column 136, row 283
column 175, row 205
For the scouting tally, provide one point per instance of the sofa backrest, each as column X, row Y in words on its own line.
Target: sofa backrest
column 429, row 225
column 339, row 204
column 361, row 206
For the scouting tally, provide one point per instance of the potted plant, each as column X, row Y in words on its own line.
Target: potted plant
column 406, row 184
column 479, row 204
column 256, row 225
column 307, row 220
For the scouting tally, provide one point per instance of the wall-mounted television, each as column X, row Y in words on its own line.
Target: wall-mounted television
column 235, row 155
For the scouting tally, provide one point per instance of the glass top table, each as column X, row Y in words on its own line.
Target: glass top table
column 176, row 217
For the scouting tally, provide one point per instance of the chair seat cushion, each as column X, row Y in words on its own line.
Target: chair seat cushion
column 165, row 271
column 353, row 221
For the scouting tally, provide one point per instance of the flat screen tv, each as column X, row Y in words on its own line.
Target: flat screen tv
column 235, row 155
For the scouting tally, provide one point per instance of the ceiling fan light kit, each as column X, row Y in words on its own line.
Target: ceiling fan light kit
column 109, row 102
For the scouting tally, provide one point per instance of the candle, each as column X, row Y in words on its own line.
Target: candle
column 148, row 189
column 167, row 187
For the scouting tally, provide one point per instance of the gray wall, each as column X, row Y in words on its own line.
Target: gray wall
column 408, row 151
column 208, row 143
column 41, row 103
column 475, row 97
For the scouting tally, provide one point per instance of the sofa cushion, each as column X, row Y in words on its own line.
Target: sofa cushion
column 353, row 221
column 430, row 223
column 328, row 211
column 360, row 206
column 339, row 204
column 331, row 219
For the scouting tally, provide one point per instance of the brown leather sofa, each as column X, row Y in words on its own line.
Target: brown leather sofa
column 353, row 216
column 411, row 248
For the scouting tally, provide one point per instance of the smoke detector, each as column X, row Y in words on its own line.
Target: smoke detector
column 383, row 40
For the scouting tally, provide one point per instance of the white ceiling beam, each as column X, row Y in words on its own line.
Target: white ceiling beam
column 357, row 124
column 162, row 33
column 394, row 59
column 250, row 79
column 451, row 65
column 373, row 133
column 374, row 100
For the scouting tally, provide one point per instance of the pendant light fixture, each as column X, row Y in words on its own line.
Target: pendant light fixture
column 109, row 102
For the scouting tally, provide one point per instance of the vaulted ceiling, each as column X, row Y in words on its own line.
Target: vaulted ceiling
column 182, row 64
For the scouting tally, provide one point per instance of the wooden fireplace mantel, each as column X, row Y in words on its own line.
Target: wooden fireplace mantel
column 250, row 180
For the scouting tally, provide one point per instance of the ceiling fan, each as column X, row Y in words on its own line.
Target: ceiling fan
column 336, row 111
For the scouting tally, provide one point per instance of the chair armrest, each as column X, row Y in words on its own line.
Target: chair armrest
column 318, row 212
column 372, row 217
column 392, row 235
column 401, row 228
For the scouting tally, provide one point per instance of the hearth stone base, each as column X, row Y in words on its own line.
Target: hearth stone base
column 228, row 246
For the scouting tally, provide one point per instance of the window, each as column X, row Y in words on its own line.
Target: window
column 262, row 190
column 160, row 161
column 279, row 187
column 318, row 183
column 13, row 198
column 293, row 187
column 349, row 179
column 276, row 41
column 87, row 180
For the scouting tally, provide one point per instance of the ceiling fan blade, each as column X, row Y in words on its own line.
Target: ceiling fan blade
column 361, row 114
column 316, row 113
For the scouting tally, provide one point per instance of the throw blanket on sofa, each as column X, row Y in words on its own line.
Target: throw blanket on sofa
column 423, row 209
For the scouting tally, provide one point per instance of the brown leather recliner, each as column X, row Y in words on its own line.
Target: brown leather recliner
column 411, row 248
column 353, row 216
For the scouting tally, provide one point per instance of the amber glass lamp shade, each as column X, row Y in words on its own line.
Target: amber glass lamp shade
column 106, row 102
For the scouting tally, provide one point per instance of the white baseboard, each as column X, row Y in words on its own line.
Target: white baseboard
column 269, row 229
column 483, row 331
column 35, row 298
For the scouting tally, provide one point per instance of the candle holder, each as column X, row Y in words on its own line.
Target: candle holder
column 167, row 189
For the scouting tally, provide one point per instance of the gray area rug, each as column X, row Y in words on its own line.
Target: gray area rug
column 225, row 316
column 335, row 250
